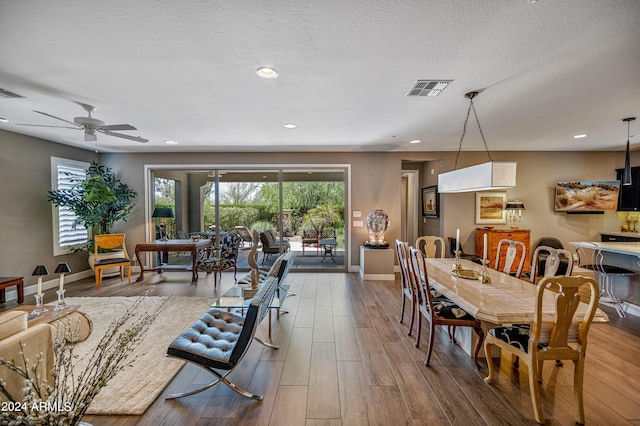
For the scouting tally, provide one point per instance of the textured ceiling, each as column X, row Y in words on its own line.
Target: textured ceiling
column 186, row 71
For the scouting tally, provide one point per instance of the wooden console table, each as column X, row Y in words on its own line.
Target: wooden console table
column 173, row 245
column 494, row 235
column 11, row 281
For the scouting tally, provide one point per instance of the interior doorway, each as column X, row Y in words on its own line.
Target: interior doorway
column 411, row 205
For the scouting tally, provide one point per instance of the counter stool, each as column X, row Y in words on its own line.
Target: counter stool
column 603, row 273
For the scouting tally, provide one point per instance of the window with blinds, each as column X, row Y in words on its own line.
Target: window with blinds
column 66, row 232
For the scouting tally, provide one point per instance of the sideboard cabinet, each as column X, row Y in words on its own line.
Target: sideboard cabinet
column 494, row 235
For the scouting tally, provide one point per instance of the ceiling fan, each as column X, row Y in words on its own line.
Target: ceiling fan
column 92, row 125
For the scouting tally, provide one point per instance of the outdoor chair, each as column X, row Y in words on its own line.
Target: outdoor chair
column 271, row 244
column 111, row 242
column 227, row 259
column 310, row 238
column 245, row 234
column 550, row 338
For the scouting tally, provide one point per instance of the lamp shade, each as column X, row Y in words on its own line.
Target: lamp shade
column 63, row 267
column 163, row 212
column 481, row 177
column 514, row 205
column 41, row 270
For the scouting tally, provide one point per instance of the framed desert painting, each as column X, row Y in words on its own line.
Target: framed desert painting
column 430, row 202
column 490, row 208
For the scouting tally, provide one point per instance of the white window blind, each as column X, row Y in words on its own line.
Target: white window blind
column 65, row 174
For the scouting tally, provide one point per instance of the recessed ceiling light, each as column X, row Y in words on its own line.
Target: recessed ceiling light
column 579, row 136
column 4, row 120
column 415, row 141
column 267, row 72
column 290, row 126
column 170, row 142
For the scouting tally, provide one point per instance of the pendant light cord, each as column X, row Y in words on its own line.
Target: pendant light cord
column 471, row 95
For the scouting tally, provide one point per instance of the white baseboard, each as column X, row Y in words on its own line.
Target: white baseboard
column 53, row 284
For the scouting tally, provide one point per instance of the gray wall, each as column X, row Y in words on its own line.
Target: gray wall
column 25, row 214
column 26, row 228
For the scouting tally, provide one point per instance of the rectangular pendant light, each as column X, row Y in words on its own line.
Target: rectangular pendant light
column 481, row 177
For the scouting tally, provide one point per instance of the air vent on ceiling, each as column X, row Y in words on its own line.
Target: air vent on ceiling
column 428, row 87
column 7, row 94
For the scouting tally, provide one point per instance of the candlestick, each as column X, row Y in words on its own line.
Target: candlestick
column 484, row 252
column 458, row 239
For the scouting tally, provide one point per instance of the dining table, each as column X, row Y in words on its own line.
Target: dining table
column 194, row 247
column 505, row 301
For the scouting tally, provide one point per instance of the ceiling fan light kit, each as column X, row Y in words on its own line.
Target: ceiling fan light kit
column 482, row 177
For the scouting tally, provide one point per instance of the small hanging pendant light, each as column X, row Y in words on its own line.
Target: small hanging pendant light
column 626, row 173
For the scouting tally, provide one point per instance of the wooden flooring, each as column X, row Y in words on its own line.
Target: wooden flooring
column 345, row 359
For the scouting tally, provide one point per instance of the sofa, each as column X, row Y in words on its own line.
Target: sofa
column 36, row 340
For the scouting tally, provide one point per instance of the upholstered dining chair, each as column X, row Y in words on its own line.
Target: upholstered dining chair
column 110, row 242
column 227, row 259
column 439, row 310
column 505, row 260
column 553, row 259
column 557, row 338
column 463, row 255
column 431, row 246
column 408, row 292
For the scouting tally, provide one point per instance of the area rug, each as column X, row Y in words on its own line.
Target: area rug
column 135, row 388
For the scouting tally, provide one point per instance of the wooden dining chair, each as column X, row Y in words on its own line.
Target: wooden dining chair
column 408, row 292
column 504, row 260
column 551, row 259
column 110, row 242
column 431, row 246
column 560, row 338
column 440, row 310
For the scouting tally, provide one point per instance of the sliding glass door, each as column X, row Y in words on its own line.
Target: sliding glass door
column 298, row 209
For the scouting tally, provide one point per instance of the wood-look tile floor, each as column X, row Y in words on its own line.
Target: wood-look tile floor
column 345, row 359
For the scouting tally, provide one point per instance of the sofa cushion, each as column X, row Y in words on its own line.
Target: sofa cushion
column 12, row 322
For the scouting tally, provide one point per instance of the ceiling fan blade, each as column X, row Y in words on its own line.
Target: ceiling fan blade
column 122, row 135
column 58, row 118
column 118, row 127
column 44, row 125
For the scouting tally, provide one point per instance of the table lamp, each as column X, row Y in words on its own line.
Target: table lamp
column 514, row 211
column 163, row 213
column 62, row 269
column 40, row 271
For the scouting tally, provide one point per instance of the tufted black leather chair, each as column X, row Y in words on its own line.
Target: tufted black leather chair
column 220, row 339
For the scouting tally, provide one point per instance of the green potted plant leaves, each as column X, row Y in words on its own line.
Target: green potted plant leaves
column 98, row 202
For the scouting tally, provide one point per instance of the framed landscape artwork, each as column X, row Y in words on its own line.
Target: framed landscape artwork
column 490, row 208
column 430, row 201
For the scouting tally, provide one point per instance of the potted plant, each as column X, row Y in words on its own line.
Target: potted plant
column 98, row 201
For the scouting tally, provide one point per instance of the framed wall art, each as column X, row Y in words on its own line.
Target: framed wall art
column 430, row 201
column 490, row 208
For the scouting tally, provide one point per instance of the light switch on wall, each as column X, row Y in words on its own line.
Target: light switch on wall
column 358, row 223
column 357, row 213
